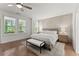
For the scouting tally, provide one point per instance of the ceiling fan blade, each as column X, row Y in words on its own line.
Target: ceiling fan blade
column 24, row 6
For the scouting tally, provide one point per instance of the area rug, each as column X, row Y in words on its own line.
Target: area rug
column 57, row 50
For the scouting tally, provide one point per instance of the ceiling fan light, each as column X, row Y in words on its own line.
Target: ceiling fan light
column 10, row 5
column 19, row 6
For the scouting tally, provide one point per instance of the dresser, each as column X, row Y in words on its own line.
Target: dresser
column 63, row 38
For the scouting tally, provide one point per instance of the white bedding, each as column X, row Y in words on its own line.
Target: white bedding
column 48, row 38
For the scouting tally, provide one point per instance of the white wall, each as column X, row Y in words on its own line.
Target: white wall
column 76, row 30
column 0, row 29
column 14, row 36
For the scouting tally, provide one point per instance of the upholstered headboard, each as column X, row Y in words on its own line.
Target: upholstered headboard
column 51, row 29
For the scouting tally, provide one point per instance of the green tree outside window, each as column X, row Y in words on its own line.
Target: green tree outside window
column 21, row 25
column 9, row 26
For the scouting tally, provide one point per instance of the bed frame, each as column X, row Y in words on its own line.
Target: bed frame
column 51, row 29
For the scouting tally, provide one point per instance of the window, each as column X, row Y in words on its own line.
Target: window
column 21, row 25
column 9, row 24
column 35, row 26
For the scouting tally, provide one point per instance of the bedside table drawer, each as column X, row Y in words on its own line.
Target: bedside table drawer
column 63, row 38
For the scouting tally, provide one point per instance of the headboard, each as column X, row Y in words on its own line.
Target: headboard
column 51, row 29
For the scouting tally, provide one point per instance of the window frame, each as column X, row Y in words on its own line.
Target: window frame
column 22, row 26
column 6, row 18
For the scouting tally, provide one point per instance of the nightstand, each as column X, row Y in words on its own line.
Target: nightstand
column 63, row 38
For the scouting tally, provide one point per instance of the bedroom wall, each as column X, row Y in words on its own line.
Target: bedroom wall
column 76, row 30
column 0, row 29
column 17, row 35
column 57, row 22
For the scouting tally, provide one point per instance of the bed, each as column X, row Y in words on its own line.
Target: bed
column 50, row 36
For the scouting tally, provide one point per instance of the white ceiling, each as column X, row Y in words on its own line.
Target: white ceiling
column 47, row 10
column 41, row 10
column 14, row 9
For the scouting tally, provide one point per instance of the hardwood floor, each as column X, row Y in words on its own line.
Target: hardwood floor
column 69, row 51
column 18, row 48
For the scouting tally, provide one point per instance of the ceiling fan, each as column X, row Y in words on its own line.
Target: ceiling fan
column 20, row 5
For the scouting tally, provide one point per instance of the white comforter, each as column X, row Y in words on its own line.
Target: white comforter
column 48, row 38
